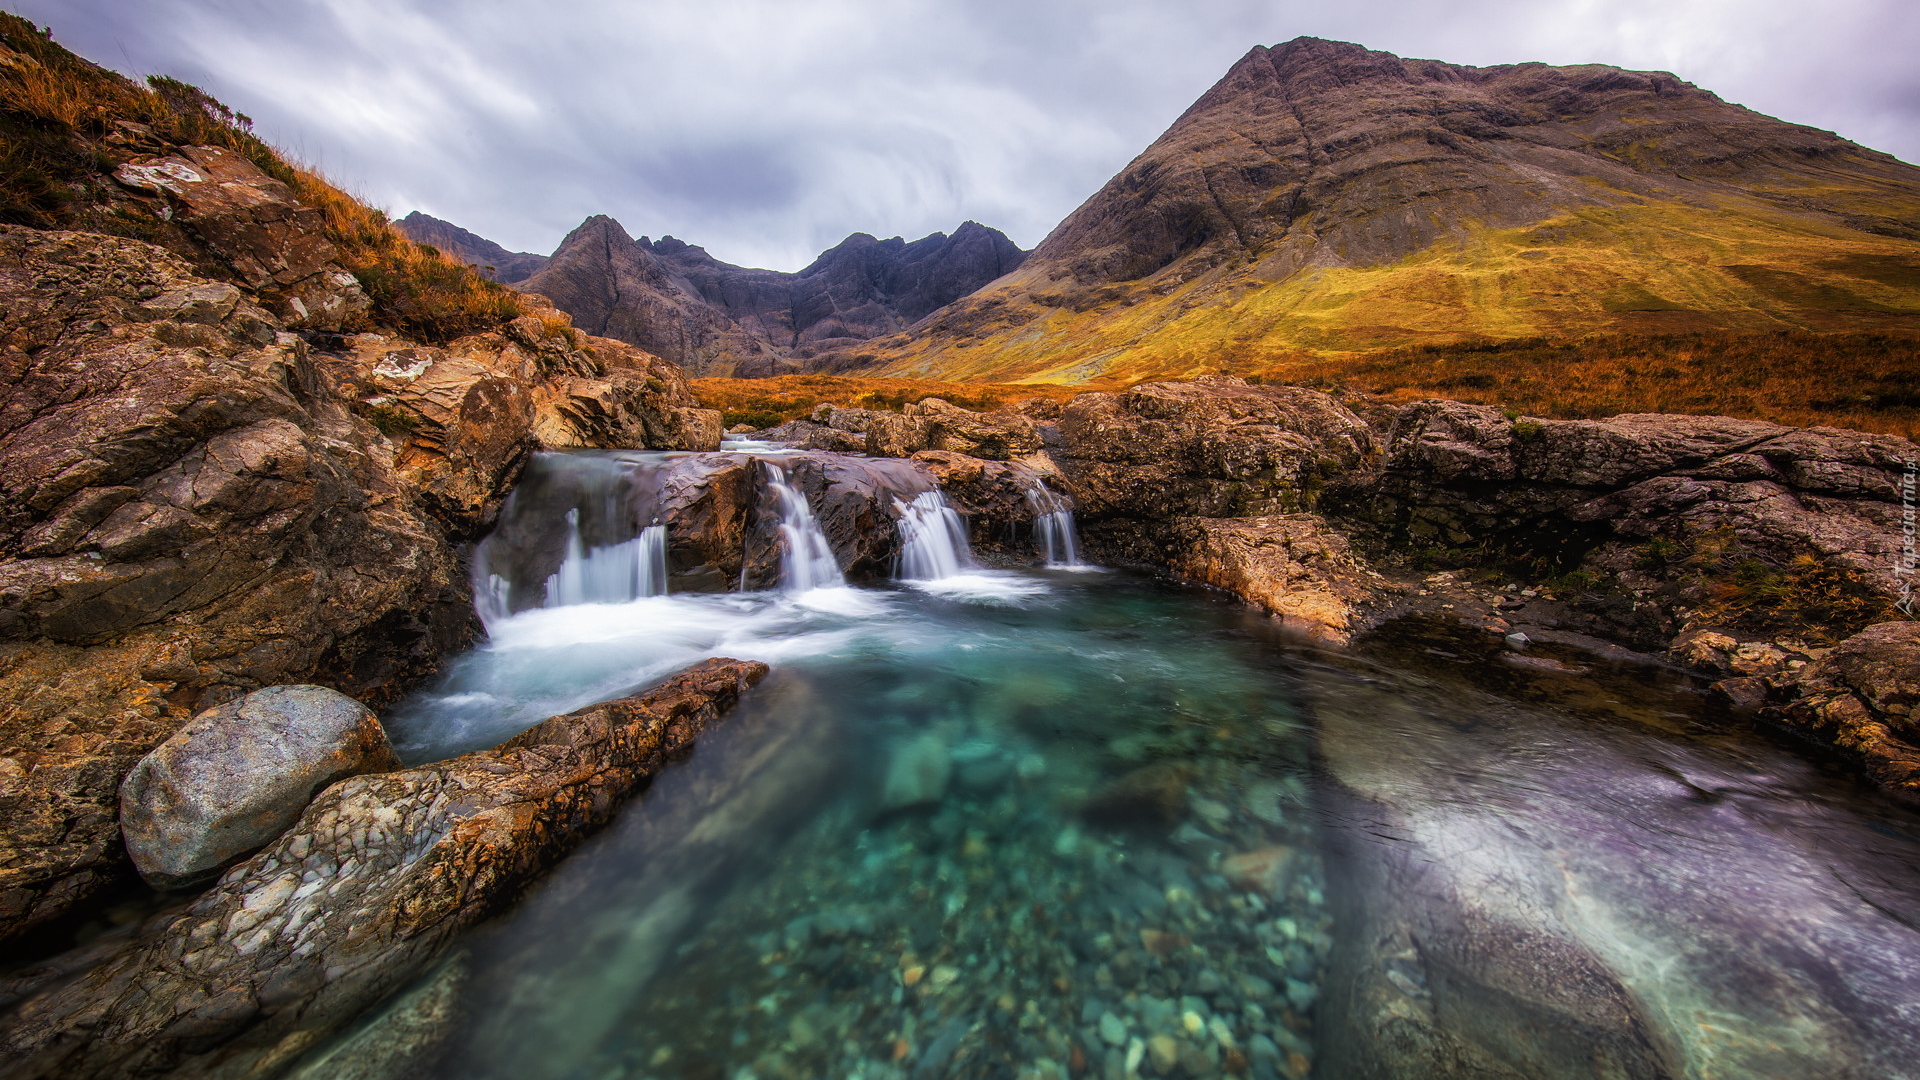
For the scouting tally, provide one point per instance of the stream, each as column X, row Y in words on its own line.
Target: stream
column 1059, row 822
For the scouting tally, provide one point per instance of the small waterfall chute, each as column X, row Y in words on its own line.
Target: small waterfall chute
column 808, row 561
column 933, row 539
column 612, row 574
column 1053, row 531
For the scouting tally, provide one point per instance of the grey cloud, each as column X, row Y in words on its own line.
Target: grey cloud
column 767, row 130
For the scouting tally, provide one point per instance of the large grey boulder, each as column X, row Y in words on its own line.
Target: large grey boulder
column 236, row 776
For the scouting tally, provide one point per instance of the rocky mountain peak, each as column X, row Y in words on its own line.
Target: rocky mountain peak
column 1341, row 197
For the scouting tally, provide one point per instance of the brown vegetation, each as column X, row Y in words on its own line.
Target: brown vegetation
column 66, row 124
column 767, row 402
column 1868, row 382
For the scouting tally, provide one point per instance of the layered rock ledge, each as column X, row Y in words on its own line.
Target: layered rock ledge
column 196, row 502
column 359, row 898
column 1742, row 549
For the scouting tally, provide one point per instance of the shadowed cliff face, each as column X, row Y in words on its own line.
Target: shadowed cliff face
column 1323, row 195
column 493, row 260
column 719, row 318
column 672, row 298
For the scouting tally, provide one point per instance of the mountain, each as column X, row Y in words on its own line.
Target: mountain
column 1324, row 197
column 493, row 260
column 675, row 300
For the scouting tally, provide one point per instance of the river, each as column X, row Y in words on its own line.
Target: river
column 1064, row 822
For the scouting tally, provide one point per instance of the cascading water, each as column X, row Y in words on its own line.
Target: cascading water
column 613, row 574
column 933, row 539
column 1125, row 815
column 808, row 561
column 1053, row 529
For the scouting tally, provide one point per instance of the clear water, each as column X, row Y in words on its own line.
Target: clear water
column 943, row 837
column 1046, row 824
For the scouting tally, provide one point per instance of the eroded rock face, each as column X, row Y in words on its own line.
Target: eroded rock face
column 1862, row 698
column 466, row 415
column 934, row 424
column 360, row 897
column 1214, row 447
column 192, row 507
column 254, row 222
column 237, row 775
column 1296, row 566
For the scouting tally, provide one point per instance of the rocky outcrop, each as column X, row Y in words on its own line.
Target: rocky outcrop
column 496, row 262
column 1296, row 566
column 237, row 775
column 672, row 298
column 1214, row 447
column 195, row 503
column 1597, row 493
column 359, row 898
column 1862, row 698
column 254, row 223
column 1000, row 500
column 935, row 424
column 1284, row 495
column 466, row 414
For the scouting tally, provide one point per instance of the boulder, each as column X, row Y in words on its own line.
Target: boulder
column 360, row 898
column 236, row 776
column 1861, row 698
column 1293, row 565
column 936, row 424
column 257, row 226
column 1216, row 447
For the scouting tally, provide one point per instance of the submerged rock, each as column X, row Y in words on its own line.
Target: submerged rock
column 237, row 775
column 917, row 774
column 360, row 897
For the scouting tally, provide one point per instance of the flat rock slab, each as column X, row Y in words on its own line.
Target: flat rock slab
column 238, row 775
column 359, row 898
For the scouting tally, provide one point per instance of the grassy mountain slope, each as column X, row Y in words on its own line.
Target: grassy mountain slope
column 1324, row 200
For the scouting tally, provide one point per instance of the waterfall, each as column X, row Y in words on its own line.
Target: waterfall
column 933, row 540
column 808, row 561
column 613, row 574
column 1053, row 527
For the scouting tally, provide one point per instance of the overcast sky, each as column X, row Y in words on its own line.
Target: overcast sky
column 767, row 130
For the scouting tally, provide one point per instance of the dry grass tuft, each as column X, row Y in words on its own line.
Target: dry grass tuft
column 767, row 402
column 62, row 134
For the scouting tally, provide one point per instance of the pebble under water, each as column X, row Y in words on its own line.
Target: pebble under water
column 1047, row 824
column 1023, row 831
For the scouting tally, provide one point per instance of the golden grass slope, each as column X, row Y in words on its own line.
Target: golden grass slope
column 1648, row 266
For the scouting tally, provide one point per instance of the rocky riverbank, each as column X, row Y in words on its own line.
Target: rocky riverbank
column 209, row 489
column 360, row 897
column 1748, row 551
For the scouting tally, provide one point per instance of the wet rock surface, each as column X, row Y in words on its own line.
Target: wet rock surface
column 359, row 897
column 236, row 776
column 1569, row 889
column 197, row 503
column 916, row 857
column 1862, row 699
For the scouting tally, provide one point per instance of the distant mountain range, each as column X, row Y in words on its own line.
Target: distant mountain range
column 713, row 318
column 1324, row 198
